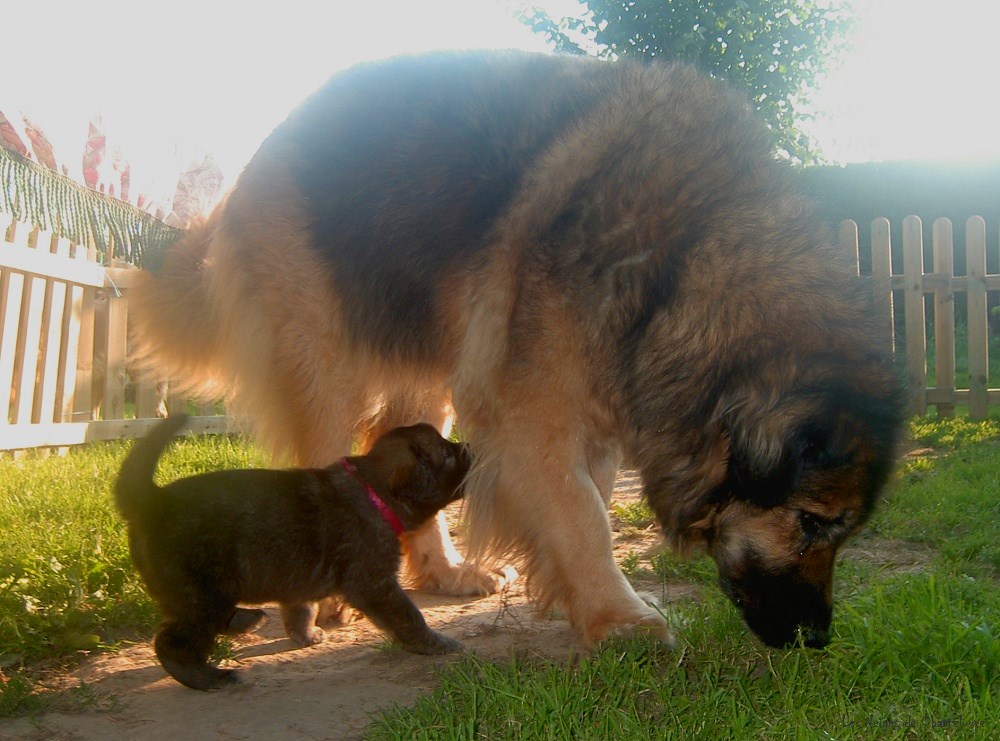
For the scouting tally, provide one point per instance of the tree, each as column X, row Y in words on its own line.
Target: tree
column 773, row 49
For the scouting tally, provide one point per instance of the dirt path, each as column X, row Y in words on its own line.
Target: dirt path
column 324, row 692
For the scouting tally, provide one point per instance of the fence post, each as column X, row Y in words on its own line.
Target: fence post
column 848, row 238
column 116, row 376
column 913, row 313
column 83, row 394
column 29, row 337
column 70, row 349
column 11, row 293
column 944, row 313
column 882, row 278
column 975, row 256
column 47, row 384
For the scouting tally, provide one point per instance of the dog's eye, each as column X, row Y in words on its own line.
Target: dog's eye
column 811, row 525
column 815, row 526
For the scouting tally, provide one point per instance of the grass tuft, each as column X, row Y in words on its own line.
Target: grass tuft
column 67, row 585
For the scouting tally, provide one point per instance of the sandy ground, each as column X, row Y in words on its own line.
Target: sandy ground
column 323, row 692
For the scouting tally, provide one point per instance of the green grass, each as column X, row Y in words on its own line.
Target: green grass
column 915, row 653
column 66, row 580
column 950, row 501
column 912, row 651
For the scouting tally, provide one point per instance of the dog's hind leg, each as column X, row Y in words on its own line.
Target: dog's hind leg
column 300, row 623
column 183, row 647
column 245, row 621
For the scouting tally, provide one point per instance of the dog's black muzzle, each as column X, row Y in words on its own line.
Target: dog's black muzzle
column 782, row 610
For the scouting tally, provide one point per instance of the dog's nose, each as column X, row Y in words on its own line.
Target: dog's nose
column 815, row 637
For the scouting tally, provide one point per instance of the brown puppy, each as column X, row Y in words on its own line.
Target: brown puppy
column 205, row 543
column 592, row 262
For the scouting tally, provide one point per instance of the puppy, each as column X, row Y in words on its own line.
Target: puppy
column 205, row 543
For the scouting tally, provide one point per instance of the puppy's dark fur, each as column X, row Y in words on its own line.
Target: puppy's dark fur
column 205, row 543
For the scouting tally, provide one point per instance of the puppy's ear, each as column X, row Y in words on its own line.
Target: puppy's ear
column 411, row 475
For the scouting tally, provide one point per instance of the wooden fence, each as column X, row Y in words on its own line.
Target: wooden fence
column 938, row 289
column 64, row 344
column 64, row 349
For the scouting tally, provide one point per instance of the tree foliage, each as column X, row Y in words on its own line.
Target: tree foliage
column 773, row 49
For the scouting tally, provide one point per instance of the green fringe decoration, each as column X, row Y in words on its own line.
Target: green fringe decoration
column 35, row 195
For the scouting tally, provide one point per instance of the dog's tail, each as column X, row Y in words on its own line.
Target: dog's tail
column 177, row 331
column 135, row 480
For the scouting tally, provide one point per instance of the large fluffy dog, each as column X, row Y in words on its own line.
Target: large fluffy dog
column 205, row 543
column 589, row 260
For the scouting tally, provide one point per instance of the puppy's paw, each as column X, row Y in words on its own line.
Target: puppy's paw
column 333, row 612
column 308, row 636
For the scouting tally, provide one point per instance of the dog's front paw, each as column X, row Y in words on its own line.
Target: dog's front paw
column 435, row 643
column 637, row 622
column 308, row 636
column 466, row 580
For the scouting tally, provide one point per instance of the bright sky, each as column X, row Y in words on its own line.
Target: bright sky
column 175, row 79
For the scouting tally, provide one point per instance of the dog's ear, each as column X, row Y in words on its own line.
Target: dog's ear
column 765, row 471
column 689, row 520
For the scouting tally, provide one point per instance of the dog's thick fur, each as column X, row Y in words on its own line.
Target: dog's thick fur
column 589, row 260
column 205, row 543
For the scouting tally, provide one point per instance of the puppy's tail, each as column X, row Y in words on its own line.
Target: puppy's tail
column 135, row 480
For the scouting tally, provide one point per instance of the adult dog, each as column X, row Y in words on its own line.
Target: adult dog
column 205, row 543
column 589, row 260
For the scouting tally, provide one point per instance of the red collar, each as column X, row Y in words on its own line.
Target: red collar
column 383, row 509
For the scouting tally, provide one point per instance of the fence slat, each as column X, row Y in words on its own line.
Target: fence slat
column 43, row 263
column 51, row 336
column 848, row 239
column 28, row 342
column 83, row 394
column 944, row 312
column 69, row 352
column 913, row 313
column 882, row 278
column 979, row 371
column 17, row 437
column 11, row 292
column 147, row 400
column 115, row 375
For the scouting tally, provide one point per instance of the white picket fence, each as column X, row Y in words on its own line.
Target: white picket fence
column 64, row 342
column 64, row 349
